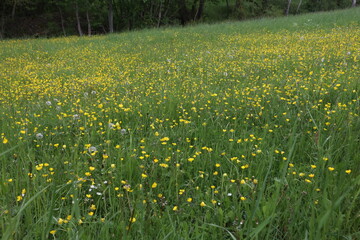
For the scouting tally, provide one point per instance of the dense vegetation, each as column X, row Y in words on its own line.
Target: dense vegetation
column 40, row 18
column 231, row 131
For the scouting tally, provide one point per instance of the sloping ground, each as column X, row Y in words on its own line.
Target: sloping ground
column 240, row 130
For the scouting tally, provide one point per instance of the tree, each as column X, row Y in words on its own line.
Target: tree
column 111, row 16
column 288, row 8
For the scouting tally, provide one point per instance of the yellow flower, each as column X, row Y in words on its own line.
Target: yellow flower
column 132, row 220
column 175, row 208
column 5, row 141
column 348, row 171
column 164, row 139
column 331, row 169
column 53, row 232
column 154, row 185
column 202, row 204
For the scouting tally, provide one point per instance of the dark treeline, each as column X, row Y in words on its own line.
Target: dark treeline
column 43, row 18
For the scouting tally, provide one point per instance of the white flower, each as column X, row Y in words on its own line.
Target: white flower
column 92, row 149
column 76, row 116
column 123, row 131
column 111, row 125
column 48, row 103
column 39, row 136
column 93, row 92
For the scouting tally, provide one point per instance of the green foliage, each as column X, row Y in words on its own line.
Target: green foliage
column 244, row 130
column 42, row 18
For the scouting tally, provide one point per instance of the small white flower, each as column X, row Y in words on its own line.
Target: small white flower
column 229, row 194
column 86, row 94
column 123, row 131
column 92, row 149
column 99, row 193
column 39, row 136
column 76, row 116
column 111, row 125
column 48, row 103
column 93, row 92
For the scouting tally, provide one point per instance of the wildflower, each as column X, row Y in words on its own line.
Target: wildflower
column 48, row 103
column 154, row 185
column 5, row 141
column 52, row 232
column 123, row 131
column 92, row 149
column 242, row 198
column 348, row 171
column 39, row 136
column 202, row 204
column 175, row 208
column 132, row 220
column 331, row 169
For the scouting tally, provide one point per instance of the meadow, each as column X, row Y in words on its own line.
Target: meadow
column 239, row 130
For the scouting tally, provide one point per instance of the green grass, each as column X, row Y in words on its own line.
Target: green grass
column 240, row 130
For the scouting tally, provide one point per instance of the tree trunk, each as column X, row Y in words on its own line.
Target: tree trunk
column 62, row 21
column 78, row 19
column 288, row 8
column 228, row 10
column 88, row 23
column 298, row 7
column 353, row 3
column 200, row 10
column 159, row 17
column 111, row 16
column 2, row 27
column 13, row 10
column 183, row 12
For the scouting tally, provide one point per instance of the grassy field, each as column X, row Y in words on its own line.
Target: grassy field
column 230, row 131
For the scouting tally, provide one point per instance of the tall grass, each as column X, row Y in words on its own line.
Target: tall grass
column 231, row 131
